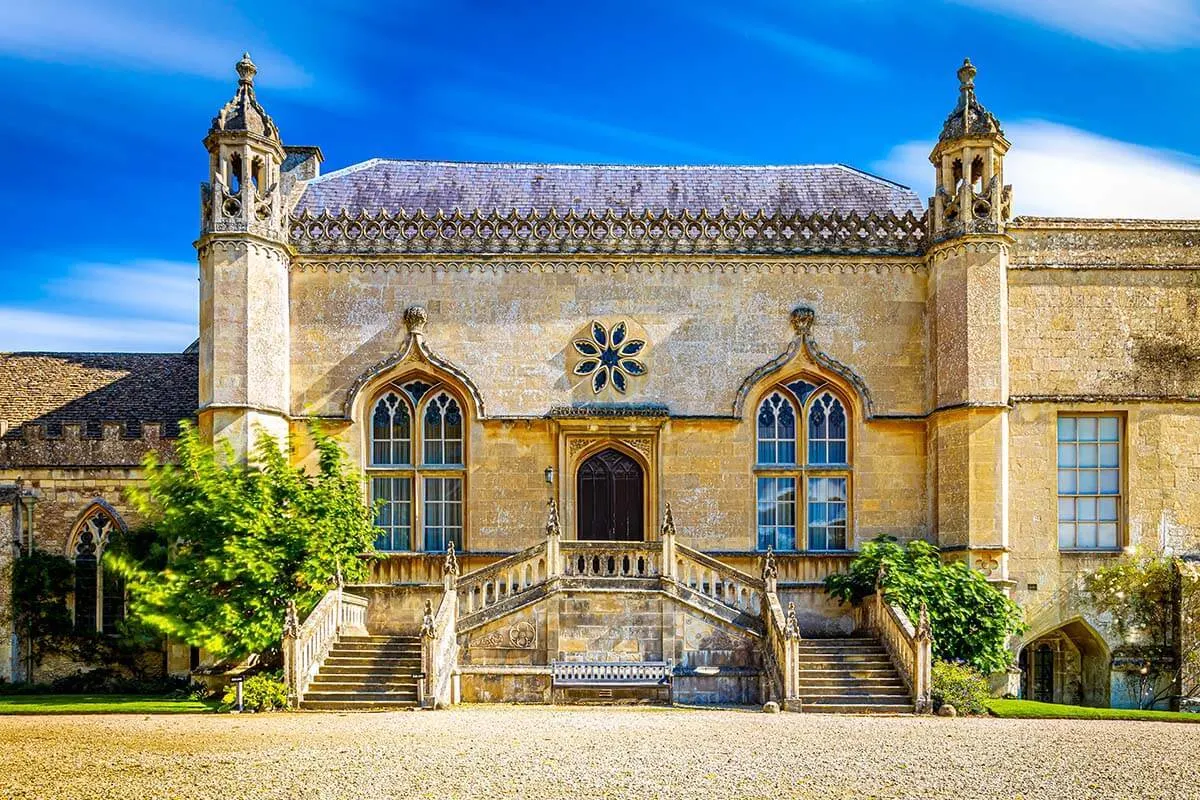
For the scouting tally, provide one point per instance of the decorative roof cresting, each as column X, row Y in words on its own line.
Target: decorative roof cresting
column 969, row 117
column 243, row 113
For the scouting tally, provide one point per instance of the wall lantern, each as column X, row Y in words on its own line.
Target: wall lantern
column 550, row 475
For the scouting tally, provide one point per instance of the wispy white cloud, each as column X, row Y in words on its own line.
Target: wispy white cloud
column 186, row 38
column 148, row 305
column 1134, row 24
column 817, row 55
column 1057, row 170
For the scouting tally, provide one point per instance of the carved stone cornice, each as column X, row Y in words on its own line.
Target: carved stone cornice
column 608, row 266
column 991, row 244
column 609, row 232
column 237, row 244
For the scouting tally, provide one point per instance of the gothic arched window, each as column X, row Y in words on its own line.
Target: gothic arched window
column 424, row 495
column 99, row 593
column 813, row 488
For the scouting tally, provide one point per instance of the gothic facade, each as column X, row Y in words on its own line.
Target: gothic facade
column 794, row 360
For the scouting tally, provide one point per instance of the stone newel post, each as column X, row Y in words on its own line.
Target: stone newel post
column 553, row 535
column 668, row 544
column 291, row 630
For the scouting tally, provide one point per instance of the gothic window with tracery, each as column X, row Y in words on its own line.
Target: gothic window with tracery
column 99, row 593
column 801, row 419
column 419, row 502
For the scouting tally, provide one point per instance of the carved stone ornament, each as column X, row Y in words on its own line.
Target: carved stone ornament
column 427, row 631
column 415, row 319
column 291, row 621
column 668, row 526
column 769, row 571
column 791, row 628
column 450, row 565
column 520, row 636
column 923, row 628
column 608, row 232
column 552, row 525
column 802, row 320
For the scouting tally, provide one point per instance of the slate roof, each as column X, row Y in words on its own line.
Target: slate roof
column 52, row 388
column 432, row 186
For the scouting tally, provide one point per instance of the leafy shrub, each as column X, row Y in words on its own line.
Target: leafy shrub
column 960, row 685
column 971, row 620
column 109, row 681
column 263, row 692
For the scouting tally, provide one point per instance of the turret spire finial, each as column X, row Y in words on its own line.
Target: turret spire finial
column 246, row 69
column 966, row 76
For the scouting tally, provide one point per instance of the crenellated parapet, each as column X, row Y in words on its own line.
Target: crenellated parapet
column 609, row 232
column 87, row 444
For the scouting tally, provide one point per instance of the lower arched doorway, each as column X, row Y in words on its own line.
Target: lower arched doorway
column 609, row 496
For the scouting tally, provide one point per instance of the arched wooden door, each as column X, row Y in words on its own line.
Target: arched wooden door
column 609, row 498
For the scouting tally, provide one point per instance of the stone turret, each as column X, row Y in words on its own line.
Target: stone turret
column 969, row 160
column 968, row 311
column 244, row 332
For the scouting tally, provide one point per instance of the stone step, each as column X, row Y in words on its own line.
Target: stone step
column 389, row 662
column 382, row 647
column 872, row 692
column 361, row 697
column 810, row 662
column 847, row 672
column 338, row 668
column 369, row 656
column 850, row 680
column 405, row 639
column 826, row 706
column 357, row 705
column 368, row 683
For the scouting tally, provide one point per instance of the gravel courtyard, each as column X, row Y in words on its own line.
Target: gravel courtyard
column 541, row 752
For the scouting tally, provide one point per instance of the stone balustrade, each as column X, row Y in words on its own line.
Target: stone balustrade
column 610, row 559
column 717, row 581
column 307, row 643
column 504, row 579
column 908, row 646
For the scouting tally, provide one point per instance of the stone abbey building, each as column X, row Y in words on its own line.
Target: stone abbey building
column 533, row 362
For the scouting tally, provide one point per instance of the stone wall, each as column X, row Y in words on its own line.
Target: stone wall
column 509, row 324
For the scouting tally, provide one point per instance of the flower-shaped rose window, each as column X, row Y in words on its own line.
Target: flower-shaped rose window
column 609, row 356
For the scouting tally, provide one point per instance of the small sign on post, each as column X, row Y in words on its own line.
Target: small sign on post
column 237, row 686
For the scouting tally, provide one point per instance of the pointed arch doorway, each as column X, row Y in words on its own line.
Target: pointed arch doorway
column 609, row 493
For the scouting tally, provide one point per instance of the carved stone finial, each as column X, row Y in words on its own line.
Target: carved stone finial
column 668, row 526
column 246, row 70
column 881, row 576
column 427, row 621
column 291, row 621
column 769, row 570
column 802, row 320
column 450, row 565
column 966, row 75
column 415, row 318
column 791, row 628
column 341, row 582
column 924, row 631
column 552, row 526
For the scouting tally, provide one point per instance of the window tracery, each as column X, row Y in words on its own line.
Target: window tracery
column 802, row 469
column 99, row 593
column 419, row 500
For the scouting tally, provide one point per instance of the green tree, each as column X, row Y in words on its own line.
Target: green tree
column 971, row 620
column 1154, row 602
column 228, row 544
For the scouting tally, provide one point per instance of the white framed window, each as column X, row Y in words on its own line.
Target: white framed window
column 419, row 502
column 1089, row 481
column 802, row 503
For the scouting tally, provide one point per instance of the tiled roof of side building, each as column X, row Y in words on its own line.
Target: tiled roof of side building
column 53, row 388
column 432, row 186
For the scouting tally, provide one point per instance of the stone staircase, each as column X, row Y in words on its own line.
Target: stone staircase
column 850, row 676
column 363, row 673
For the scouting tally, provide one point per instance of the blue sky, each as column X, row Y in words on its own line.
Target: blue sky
column 106, row 101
